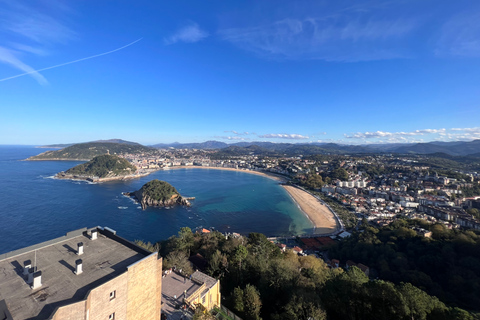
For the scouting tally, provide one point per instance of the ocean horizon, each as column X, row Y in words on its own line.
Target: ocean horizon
column 36, row 207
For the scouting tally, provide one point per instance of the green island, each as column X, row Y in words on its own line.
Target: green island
column 157, row 193
column 89, row 150
column 101, row 168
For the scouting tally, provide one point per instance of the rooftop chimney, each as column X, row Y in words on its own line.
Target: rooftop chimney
column 26, row 266
column 30, row 275
column 37, row 280
column 94, row 234
column 80, row 248
column 78, row 269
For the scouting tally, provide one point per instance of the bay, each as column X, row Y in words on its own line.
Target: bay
column 34, row 207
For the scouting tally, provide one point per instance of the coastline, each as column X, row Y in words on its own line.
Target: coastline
column 322, row 218
column 265, row 174
column 100, row 180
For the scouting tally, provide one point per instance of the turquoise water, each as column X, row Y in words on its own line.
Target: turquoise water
column 36, row 208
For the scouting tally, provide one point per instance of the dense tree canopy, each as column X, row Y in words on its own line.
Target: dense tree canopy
column 103, row 166
column 446, row 265
column 259, row 281
column 159, row 190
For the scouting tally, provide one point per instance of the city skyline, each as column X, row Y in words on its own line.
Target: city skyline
column 152, row 73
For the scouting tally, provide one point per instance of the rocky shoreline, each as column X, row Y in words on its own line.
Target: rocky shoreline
column 146, row 201
column 63, row 176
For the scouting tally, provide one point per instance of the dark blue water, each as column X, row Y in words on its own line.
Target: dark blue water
column 35, row 208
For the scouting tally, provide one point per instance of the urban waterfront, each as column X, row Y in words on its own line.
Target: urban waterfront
column 36, row 207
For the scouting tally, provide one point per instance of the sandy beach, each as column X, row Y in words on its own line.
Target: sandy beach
column 321, row 217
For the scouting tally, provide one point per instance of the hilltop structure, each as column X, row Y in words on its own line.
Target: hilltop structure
column 86, row 274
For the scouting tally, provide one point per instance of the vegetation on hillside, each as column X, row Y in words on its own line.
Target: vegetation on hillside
column 158, row 190
column 87, row 151
column 258, row 281
column 446, row 265
column 103, row 166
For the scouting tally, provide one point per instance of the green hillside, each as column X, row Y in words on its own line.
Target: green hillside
column 158, row 190
column 103, row 166
column 87, row 151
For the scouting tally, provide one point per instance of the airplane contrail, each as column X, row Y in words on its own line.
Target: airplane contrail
column 75, row 61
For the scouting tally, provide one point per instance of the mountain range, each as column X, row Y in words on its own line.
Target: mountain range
column 454, row 148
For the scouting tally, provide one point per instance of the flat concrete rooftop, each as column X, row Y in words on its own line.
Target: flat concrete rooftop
column 173, row 293
column 103, row 259
column 174, row 287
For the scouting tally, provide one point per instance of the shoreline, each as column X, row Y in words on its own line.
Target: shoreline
column 265, row 174
column 100, row 180
column 323, row 220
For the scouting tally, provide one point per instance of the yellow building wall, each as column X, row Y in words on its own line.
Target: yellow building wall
column 212, row 298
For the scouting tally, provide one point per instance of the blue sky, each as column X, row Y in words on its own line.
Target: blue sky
column 350, row 72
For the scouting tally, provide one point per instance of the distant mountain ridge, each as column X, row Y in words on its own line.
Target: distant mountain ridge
column 454, row 148
column 115, row 146
column 196, row 145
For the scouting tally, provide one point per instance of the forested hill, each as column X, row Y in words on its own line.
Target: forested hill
column 103, row 166
column 258, row 281
column 87, row 151
column 447, row 265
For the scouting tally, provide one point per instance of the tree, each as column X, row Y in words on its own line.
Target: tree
column 340, row 174
column 384, row 300
column 474, row 212
column 218, row 264
column 185, row 240
column 178, row 260
column 202, row 315
column 148, row 245
column 313, row 181
column 237, row 298
column 252, row 303
column 419, row 303
column 239, row 255
column 303, row 307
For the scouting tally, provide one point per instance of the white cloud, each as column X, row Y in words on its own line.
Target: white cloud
column 190, row 33
column 237, row 138
column 342, row 37
column 283, row 136
column 392, row 135
column 460, row 36
column 10, row 57
column 453, row 134
column 245, row 133
column 29, row 30
column 475, row 129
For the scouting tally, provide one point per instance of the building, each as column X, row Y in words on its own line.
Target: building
column 190, row 292
column 87, row 274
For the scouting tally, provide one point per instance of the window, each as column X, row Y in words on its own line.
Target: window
column 203, row 300
column 112, row 316
column 112, row 294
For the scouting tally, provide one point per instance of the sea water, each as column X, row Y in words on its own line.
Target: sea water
column 35, row 207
